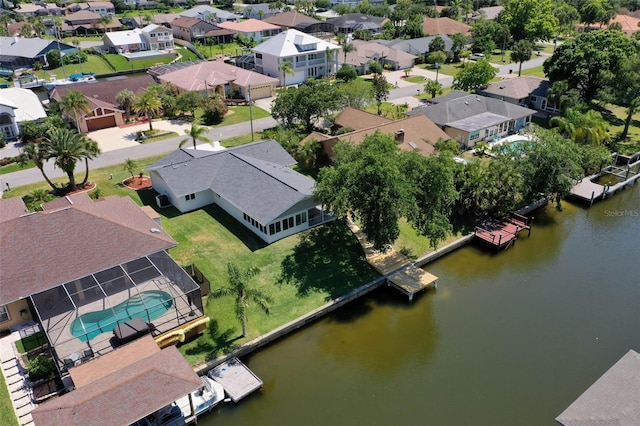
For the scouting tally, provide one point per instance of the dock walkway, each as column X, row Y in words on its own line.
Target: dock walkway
column 503, row 234
column 398, row 270
column 236, row 378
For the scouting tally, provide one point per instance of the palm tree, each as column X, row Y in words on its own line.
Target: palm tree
column 348, row 47
column 240, row 290
column 196, row 133
column 287, row 68
column 92, row 151
column 521, row 52
column 130, row 166
column 66, row 147
column 74, row 103
column 341, row 38
column 126, row 99
column 105, row 20
column 38, row 154
column 148, row 104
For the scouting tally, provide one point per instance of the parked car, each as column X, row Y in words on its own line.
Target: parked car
column 477, row 56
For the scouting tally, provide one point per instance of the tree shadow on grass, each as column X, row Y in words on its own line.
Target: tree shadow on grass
column 327, row 259
column 223, row 343
column 608, row 115
column 248, row 238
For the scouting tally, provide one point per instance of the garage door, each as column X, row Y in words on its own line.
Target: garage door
column 261, row 92
column 101, row 123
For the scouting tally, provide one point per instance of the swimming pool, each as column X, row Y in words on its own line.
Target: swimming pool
column 89, row 325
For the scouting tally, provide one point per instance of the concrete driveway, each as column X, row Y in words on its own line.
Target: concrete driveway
column 123, row 137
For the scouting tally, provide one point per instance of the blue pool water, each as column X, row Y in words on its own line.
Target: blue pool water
column 89, row 325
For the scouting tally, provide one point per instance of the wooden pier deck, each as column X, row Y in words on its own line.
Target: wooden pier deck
column 236, row 378
column 411, row 280
column 400, row 272
column 503, row 234
column 587, row 190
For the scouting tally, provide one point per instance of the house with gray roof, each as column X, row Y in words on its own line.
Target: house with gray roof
column 260, row 11
column 350, row 22
column 612, row 400
column 526, row 91
column 254, row 183
column 416, row 46
column 210, row 14
column 470, row 118
column 19, row 52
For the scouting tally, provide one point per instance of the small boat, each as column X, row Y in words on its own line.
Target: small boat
column 73, row 79
column 208, row 396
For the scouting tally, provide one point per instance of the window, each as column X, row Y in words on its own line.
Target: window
column 190, row 197
column 301, row 218
column 278, row 228
column 285, row 224
column 258, row 55
column 4, row 314
column 272, row 229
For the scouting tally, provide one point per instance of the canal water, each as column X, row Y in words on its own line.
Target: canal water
column 507, row 339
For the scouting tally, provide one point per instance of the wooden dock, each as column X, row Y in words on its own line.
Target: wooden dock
column 400, row 272
column 503, row 234
column 411, row 280
column 238, row 381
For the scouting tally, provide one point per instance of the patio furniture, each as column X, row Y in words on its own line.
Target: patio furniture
column 87, row 355
column 130, row 330
column 68, row 363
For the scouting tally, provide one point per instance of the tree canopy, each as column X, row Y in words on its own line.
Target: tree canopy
column 307, row 103
column 474, row 76
column 529, row 19
column 378, row 184
column 586, row 60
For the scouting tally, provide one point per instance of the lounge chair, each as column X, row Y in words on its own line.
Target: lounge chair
column 87, row 355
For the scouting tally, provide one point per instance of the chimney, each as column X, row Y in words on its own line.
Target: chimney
column 399, row 136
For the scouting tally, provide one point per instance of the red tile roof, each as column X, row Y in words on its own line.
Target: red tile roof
column 145, row 384
column 248, row 26
column 214, row 73
column 45, row 249
column 106, row 90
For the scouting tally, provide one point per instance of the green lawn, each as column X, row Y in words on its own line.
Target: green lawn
column 415, row 79
column 31, row 342
column 537, row 71
column 615, row 116
column 241, row 114
column 227, row 49
column 7, row 415
column 94, row 64
column 15, row 167
column 300, row 272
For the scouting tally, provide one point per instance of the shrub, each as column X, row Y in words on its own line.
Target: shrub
column 41, row 367
column 347, row 73
column 214, row 110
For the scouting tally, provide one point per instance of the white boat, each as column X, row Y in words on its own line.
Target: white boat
column 208, row 396
column 73, row 79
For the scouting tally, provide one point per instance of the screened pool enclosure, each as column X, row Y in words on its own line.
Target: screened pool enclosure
column 79, row 317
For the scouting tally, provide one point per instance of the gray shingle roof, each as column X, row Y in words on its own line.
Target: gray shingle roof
column 255, row 178
column 460, row 108
column 614, row 399
column 416, row 45
column 519, row 87
column 26, row 47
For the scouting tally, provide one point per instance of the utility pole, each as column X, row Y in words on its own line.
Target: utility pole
column 250, row 109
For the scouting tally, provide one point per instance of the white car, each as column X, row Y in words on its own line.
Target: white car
column 477, row 56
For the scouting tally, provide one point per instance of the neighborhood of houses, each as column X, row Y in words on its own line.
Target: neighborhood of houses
column 117, row 259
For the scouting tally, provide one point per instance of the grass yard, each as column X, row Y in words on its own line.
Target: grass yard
column 300, row 272
column 615, row 116
column 30, row 342
column 536, row 72
column 226, row 49
column 415, row 79
column 15, row 167
column 389, row 110
column 241, row 114
column 94, row 64
column 7, row 415
column 413, row 245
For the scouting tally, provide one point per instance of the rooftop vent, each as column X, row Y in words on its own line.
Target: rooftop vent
column 413, row 145
column 155, row 230
column 399, row 137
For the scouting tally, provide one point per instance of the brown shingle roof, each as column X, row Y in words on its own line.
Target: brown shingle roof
column 193, row 78
column 435, row 26
column 148, row 383
column 423, row 133
column 289, row 19
column 106, row 90
column 357, row 119
column 186, row 22
column 82, row 15
column 48, row 248
column 11, row 208
column 248, row 26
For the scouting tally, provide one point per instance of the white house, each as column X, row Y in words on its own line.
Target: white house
column 151, row 37
column 310, row 56
column 16, row 107
column 254, row 183
column 210, row 14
